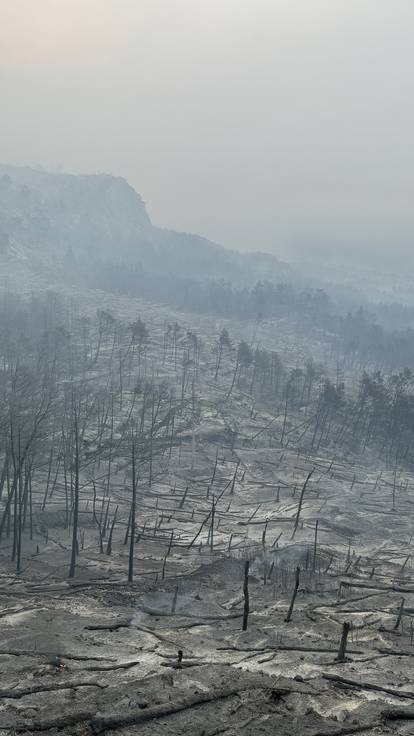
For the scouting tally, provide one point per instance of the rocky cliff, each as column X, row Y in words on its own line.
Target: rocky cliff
column 61, row 219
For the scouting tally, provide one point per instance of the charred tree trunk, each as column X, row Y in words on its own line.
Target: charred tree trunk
column 295, row 592
column 246, row 608
column 344, row 639
column 72, row 567
column 132, row 515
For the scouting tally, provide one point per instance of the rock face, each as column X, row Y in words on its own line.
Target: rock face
column 92, row 215
column 55, row 218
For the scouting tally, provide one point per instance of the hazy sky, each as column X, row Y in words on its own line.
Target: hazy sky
column 262, row 124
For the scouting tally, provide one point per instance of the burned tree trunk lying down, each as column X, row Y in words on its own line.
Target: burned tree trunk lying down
column 71, row 719
column 102, row 724
column 360, row 685
column 16, row 693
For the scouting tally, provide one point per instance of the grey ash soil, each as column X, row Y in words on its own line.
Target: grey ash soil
column 98, row 655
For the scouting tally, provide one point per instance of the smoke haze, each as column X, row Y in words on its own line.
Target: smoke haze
column 279, row 126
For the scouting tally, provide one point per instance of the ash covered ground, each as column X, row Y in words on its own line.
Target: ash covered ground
column 224, row 475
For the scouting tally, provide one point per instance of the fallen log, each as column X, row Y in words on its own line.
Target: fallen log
column 69, row 685
column 395, row 652
column 397, row 714
column 368, row 686
column 108, row 627
column 153, row 633
column 348, row 730
column 104, row 723
column 110, row 667
column 286, row 648
column 16, row 611
column 36, row 653
column 60, row 722
column 345, row 602
column 183, row 665
column 154, row 612
column 368, row 586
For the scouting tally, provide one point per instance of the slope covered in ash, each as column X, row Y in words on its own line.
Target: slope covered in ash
column 237, row 463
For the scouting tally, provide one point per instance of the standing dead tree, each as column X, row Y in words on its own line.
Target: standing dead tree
column 344, row 639
column 302, row 494
column 295, row 592
column 133, row 508
column 223, row 342
column 76, row 466
column 246, row 608
column 243, row 360
column 28, row 399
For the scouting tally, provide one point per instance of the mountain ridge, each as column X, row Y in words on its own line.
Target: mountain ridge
column 47, row 217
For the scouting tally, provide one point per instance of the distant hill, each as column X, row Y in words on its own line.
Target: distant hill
column 69, row 222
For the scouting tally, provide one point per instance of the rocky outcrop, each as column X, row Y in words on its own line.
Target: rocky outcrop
column 58, row 218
